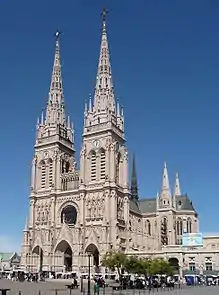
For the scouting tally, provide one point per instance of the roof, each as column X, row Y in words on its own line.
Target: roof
column 147, row 206
column 6, row 256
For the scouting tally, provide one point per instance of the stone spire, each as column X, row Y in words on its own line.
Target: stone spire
column 55, row 123
column 26, row 227
column 104, row 93
column 165, row 195
column 55, row 112
column 102, row 109
column 177, row 190
column 134, row 182
column 165, row 179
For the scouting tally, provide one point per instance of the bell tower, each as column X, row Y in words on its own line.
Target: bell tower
column 54, row 147
column 104, row 156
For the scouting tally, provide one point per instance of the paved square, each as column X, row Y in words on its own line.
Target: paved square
column 48, row 288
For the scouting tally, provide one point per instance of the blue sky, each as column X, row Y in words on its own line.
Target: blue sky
column 165, row 63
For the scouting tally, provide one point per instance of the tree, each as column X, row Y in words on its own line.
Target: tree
column 114, row 261
column 165, row 267
column 145, row 266
column 132, row 264
column 160, row 266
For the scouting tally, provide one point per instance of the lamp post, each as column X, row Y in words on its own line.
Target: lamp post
column 88, row 285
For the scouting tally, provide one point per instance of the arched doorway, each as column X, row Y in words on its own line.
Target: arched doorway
column 174, row 262
column 64, row 255
column 38, row 257
column 92, row 249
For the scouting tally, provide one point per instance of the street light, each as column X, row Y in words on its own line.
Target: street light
column 88, row 285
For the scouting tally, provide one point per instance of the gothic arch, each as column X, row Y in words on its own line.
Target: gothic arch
column 148, row 225
column 102, row 163
column 38, row 257
column 189, row 225
column 91, row 153
column 92, row 156
column 49, row 160
column 101, row 150
column 93, row 250
column 42, row 162
column 50, row 171
column 164, row 230
column 179, row 226
column 64, row 255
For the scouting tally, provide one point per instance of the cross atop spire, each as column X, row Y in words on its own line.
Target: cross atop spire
column 104, row 100
column 55, row 113
column 104, row 14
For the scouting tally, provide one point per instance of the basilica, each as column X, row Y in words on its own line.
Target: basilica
column 92, row 207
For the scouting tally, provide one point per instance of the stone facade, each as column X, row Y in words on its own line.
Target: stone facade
column 93, row 208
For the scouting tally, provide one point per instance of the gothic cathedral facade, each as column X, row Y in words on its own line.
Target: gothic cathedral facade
column 93, row 209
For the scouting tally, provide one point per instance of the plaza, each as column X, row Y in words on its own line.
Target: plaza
column 59, row 288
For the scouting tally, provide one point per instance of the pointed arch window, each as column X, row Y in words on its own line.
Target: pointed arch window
column 102, row 165
column 43, row 174
column 179, row 227
column 93, row 166
column 50, row 172
column 148, row 228
column 189, row 225
column 164, row 231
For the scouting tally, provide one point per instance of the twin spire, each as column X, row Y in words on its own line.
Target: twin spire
column 55, row 122
column 165, row 190
column 104, row 91
column 55, row 112
column 103, row 109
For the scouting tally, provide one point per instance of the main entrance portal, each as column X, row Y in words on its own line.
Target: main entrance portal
column 64, row 251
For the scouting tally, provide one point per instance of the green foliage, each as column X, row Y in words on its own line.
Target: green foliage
column 132, row 264
column 114, row 260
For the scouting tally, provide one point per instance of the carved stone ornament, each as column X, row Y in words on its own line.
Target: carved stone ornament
column 55, row 154
column 126, row 155
column 113, row 193
column 83, row 150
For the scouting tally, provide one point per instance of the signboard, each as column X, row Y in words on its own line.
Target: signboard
column 192, row 239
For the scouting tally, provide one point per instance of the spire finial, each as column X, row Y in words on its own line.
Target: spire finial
column 165, row 180
column 103, row 14
column 57, row 34
column 177, row 191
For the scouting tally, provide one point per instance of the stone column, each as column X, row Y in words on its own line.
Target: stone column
column 53, row 210
column 33, row 174
column 125, row 170
column 57, row 173
column 112, row 163
column 32, row 213
column 82, row 208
